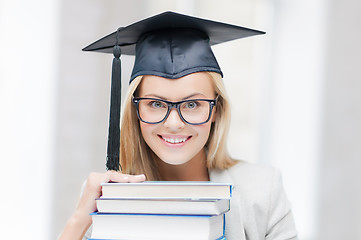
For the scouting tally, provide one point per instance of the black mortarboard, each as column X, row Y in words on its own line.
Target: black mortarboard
column 169, row 45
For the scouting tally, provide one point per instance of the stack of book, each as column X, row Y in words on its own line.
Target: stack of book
column 162, row 210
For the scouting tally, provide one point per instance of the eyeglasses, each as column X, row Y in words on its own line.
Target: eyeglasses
column 193, row 111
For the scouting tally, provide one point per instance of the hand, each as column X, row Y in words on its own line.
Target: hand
column 79, row 223
column 93, row 187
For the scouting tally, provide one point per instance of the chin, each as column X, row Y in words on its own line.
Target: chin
column 173, row 160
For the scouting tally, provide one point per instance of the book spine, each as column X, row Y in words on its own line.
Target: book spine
column 156, row 214
column 224, row 224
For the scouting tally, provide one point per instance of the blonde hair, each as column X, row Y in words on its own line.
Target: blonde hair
column 135, row 155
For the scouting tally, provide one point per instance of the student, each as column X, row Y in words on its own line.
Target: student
column 175, row 122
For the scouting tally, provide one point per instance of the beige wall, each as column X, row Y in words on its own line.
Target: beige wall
column 339, row 176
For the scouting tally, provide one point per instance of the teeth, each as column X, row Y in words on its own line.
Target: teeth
column 174, row 140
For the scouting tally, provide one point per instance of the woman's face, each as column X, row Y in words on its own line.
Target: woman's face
column 174, row 141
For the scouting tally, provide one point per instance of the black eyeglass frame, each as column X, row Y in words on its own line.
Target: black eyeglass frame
column 212, row 103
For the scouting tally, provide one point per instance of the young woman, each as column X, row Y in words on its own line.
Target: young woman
column 174, row 128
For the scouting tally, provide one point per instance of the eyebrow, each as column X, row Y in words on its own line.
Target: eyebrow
column 163, row 98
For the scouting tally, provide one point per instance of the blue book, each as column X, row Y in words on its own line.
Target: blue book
column 157, row 226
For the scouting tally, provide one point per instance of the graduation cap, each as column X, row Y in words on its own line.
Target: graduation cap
column 169, row 45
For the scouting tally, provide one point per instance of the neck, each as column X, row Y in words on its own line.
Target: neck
column 193, row 170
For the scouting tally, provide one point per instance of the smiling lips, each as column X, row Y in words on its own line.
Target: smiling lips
column 175, row 139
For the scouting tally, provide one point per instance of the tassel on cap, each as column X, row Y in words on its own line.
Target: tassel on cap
column 114, row 118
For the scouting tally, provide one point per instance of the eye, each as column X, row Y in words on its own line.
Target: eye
column 156, row 104
column 191, row 105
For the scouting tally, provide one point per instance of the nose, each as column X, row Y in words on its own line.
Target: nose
column 173, row 120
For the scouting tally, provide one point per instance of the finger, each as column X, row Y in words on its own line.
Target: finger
column 137, row 178
column 113, row 176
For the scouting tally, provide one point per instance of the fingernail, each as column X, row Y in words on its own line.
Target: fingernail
column 139, row 176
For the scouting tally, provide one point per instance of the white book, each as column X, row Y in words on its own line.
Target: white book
column 163, row 206
column 167, row 189
column 157, row 227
